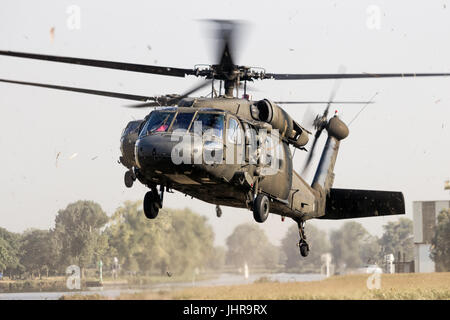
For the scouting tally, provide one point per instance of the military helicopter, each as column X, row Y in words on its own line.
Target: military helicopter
column 239, row 176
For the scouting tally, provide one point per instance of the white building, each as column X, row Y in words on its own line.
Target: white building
column 425, row 215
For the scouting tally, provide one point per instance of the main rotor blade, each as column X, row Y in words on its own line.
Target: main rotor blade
column 168, row 100
column 314, row 76
column 226, row 59
column 323, row 102
column 227, row 32
column 166, row 71
column 194, row 89
column 224, row 33
column 81, row 90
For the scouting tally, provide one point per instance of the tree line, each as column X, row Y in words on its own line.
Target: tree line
column 178, row 241
column 351, row 246
column 181, row 241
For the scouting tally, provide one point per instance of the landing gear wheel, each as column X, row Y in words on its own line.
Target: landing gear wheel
column 129, row 179
column 218, row 212
column 304, row 248
column 261, row 207
column 151, row 208
column 302, row 244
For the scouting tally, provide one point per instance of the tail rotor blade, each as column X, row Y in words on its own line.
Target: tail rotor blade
column 311, row 151
column 308, row 119
column 337, row 84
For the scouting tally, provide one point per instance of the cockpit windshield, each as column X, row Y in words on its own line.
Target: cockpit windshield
column 182, row 121
column 209, row 122
column 159, row 121
column 162, row 121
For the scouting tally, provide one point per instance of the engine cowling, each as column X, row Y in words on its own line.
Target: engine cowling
column 267, row 111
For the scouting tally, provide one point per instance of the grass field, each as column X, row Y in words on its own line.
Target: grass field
column 392, row 287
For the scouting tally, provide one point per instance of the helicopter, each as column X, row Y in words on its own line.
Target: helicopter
column 229, row 150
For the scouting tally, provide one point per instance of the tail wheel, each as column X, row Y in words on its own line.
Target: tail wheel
column 261, row 207
column 150, row 205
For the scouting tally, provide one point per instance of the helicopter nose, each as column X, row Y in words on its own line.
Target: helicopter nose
column 153, row 151
column 165, row 153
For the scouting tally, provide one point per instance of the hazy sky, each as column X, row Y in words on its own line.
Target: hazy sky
column 399, row 143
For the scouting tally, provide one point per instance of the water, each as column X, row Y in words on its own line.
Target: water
column 222, row 280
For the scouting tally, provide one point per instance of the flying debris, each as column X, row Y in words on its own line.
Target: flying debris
column 52, row 34
column 57, row 156
column 73, row 156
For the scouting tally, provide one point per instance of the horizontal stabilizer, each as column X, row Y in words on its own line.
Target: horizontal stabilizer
column 349, row 203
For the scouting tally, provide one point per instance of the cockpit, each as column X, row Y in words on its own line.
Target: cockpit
column 194, row 121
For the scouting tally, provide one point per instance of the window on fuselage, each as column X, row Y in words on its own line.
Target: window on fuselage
column 234, row 131
column 251, row 142
column 272, row 150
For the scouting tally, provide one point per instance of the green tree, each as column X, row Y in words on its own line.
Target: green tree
column 249, row 244
column 6, row 256
column 353, row 246
column 9, row 252
column 216, row 259
column 177, row 241
column 191, row 240
column 318, row 243
column 78, row 234
column 398, row 237
column 38, row 252
column 440, row 244
column 137, row 241
column 370, row 250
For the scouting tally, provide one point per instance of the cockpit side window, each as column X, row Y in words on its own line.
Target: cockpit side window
column 131, row 126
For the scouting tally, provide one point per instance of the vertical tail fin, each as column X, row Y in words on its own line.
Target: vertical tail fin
column 324, row 177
